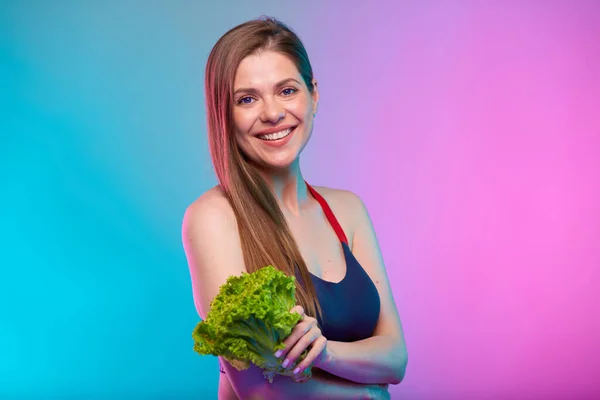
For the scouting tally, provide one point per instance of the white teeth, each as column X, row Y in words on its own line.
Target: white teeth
column 276, row 135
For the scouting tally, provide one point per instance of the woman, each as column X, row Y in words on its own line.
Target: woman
column 261, row 100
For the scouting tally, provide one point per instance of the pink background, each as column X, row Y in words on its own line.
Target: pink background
column 472, row 132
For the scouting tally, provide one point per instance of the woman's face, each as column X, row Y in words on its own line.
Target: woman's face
column 272, row 109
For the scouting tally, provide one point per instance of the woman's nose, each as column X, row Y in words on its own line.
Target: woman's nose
column 272, row 112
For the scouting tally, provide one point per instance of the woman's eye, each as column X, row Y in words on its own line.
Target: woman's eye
column 288, row 91
column 245, row 100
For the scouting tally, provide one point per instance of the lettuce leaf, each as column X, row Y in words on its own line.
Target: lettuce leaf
column 248, row 321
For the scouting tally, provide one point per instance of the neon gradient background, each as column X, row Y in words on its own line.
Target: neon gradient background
column 471, row 130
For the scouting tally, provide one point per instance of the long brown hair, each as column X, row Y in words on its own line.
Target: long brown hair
column 265, row 236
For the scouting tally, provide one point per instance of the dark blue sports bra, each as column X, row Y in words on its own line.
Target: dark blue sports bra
column 350, row 308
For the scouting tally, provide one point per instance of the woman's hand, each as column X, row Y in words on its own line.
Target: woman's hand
column 305, row 335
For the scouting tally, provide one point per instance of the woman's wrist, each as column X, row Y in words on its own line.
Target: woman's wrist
column 325, row 358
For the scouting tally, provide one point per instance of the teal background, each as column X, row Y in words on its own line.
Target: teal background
column 103, row 145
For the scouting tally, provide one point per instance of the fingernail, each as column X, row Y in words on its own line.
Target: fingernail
column 278, row 353
column 296, row 370
column 285, row 363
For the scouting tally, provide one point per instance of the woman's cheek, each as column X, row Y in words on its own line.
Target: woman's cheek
column 297, row 111
column 243, row 123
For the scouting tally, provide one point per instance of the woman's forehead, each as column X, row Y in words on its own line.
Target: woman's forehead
column 265, row 68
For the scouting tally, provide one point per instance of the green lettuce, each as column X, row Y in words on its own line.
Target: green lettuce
column 249, row 320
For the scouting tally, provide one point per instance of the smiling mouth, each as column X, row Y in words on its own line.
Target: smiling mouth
column 277, row 135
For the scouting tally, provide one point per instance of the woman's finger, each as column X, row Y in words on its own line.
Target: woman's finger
column 299, row 330
column 298, row 310
column 306, row 340
column 318, row 346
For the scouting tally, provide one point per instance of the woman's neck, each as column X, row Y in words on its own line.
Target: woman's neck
column 289, row 189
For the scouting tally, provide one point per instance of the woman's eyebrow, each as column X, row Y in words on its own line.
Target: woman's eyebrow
column 278, row 84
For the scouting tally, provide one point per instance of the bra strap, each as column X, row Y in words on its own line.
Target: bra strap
column 329, row 214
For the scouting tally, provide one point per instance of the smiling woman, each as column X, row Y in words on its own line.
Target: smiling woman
column 261, row 101
column 269, row 88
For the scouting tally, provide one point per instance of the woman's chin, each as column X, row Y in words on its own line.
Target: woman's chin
column 279, row 163
column 278, row 167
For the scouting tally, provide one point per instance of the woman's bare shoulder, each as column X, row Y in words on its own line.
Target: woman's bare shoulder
column 344, row 204
column 213, row 200
column 210, row 221
column 343, row 200
column 335, row 194
column 212, row 245
column 211, row 210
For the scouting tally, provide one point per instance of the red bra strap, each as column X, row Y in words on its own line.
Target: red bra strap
column 329, row 214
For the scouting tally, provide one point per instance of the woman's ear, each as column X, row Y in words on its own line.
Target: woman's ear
column 315, row 96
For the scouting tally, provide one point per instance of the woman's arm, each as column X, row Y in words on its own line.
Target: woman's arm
column 381, row 358
column 250, row 384
column 378, row 359
column 213, row 251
